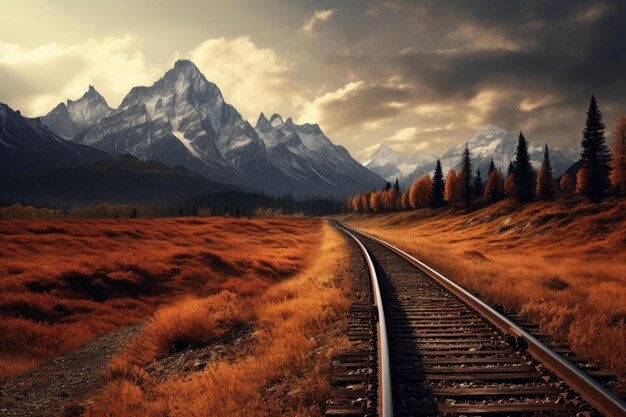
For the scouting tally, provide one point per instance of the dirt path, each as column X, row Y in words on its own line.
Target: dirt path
column 62, row 382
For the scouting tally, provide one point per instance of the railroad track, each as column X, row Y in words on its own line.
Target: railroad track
column 424, row 346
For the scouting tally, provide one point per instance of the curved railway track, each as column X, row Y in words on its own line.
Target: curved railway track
column 426, row 346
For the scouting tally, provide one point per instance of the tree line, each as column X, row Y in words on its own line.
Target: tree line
column 600, row 174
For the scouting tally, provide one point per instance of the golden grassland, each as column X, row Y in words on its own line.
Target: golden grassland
column 561, row 263
column 299, row 324
column 63, row 282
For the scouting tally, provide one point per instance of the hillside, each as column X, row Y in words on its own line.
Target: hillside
column 125, row 180
column 560, row 263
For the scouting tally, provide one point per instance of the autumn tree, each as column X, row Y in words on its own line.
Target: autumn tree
column 366, row 202
column 389, row 199
column 466, row 179
column 582, row 180
column 356, row 203
column 545, row 180
column 477, row 186
column 566, row 184
column 618, row 164
column 451, row 194
column 438, row 188
column 405, row 199
column 595, row 155
column 524, row 173
column 494, row 190
column 376, row 202
column 419, row 196
column 510, row 187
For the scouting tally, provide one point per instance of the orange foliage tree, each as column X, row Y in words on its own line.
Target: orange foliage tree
column 365, row 201
column 618, row 164
column 389, row 199
column 376, row 202
column 405, row 199
column 356, row 203
column 510, row 189
column 582, row 180
column 494, row 190
column 451, row 191
column 566, row 184
column 419, row 196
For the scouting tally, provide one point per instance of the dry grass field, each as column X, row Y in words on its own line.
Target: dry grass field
column 562, row 263
column 298, row 324
column 63, row 282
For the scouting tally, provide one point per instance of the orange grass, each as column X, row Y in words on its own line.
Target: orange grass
column 300, row 323
column 562, row 263
column 63, row 282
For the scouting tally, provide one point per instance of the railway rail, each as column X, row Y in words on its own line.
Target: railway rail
column 426, row 346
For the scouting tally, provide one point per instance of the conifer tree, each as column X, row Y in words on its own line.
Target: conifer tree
column 477, row 187
column 618, row 164
column 524, row 173
column 451, row 190
column 510, row 169
column 396, row 186
column 387, row 186
column 545, row 181
column 595, row 154
column 438, row 188
column 467, row 178
column 492, row 167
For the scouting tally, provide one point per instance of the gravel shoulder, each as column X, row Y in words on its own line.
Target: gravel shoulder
column 57, row 386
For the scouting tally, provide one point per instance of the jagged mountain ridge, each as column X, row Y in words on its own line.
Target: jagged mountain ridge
column 489, row 142
column 26, row 145
column 389, row 164
column 182, row 119
column 67, row 119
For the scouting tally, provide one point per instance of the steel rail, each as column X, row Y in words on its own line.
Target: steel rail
column 593, row 392
column 386, row 400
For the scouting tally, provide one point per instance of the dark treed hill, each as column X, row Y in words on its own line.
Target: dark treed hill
column 125, row 180
column 242, row 203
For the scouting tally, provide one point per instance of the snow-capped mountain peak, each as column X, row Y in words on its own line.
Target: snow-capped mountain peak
column 67, row 119
column 182, row 119
column 390, row 164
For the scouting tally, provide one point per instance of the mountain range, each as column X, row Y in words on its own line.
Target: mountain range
column 489, row 142
column 183, row 119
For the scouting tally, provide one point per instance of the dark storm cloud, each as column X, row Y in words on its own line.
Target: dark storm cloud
column 540, row 60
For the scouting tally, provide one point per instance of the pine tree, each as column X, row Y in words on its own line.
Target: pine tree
column 477, row 187
column 396, row 186
column 510, row 169
column 451, row 190
column 618, row 164
column 438, row 188
column 467, row 178
column 595, row 154
column 387, row 186
column 524, row 173
column 492, row 167
column 545, row 181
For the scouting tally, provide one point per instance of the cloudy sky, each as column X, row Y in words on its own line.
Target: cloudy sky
column 412, row 74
